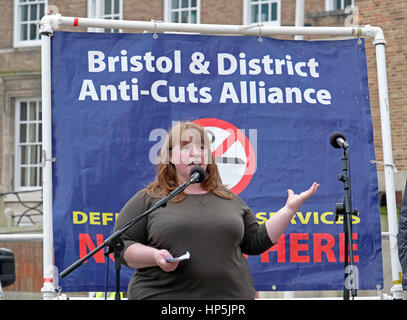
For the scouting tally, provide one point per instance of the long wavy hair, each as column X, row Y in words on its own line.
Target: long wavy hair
column 166, row 179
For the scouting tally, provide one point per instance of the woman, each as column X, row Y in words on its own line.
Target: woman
column 215, row 226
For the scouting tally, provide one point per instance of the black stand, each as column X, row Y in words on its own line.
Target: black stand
column 345, row 209
column 115, row 247
column 115, row 243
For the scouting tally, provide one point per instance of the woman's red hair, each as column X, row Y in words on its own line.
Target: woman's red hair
column 166, row 180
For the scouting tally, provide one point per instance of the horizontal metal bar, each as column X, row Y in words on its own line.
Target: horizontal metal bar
column 21, row 237
column 51, row 22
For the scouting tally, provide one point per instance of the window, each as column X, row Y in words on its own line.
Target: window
column 105, row 9
column 112, row 10
column 28, row 169
column 262, row 11
column 27, row 17
column 182, row 11
column 331, row 5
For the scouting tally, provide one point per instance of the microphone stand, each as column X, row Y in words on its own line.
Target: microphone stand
column 346, row 210
column 115, row 243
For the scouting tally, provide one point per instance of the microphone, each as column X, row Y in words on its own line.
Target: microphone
column 197, row 175
column 338, row 140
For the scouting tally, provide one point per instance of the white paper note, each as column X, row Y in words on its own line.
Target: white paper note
column 183, row 257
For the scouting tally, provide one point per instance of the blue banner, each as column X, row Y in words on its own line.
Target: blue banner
column 270, row 107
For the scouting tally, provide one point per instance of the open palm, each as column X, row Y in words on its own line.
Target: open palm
column 295, row 201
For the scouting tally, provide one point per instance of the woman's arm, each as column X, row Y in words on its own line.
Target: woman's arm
column 277, row 223
column 139, row 256
column 135, row 253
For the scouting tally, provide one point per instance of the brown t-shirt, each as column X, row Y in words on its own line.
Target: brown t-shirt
column 215, row 231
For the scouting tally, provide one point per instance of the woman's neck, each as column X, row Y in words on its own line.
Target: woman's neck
column 195, row 188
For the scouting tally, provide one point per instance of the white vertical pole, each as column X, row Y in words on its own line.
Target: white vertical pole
column 299, row 17
column 380, row 42
column 48, row 290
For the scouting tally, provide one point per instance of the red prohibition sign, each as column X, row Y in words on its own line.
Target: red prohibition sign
column 234, row 136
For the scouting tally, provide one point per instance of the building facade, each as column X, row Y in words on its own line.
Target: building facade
column 20, row 79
